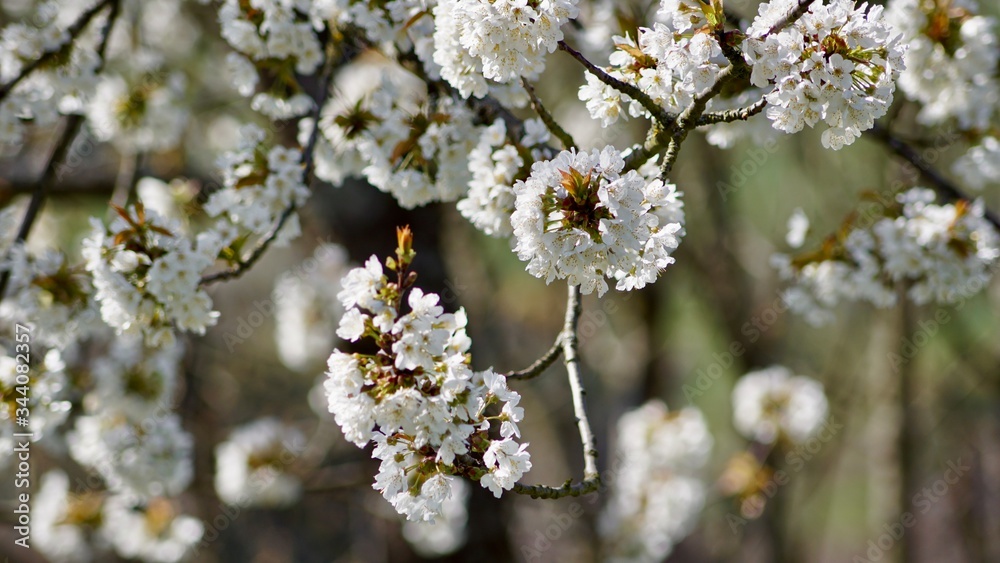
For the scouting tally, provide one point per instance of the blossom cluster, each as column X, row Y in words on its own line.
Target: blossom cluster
column 506, row 39
column 980, row 165
column 67, row 525
column 60, row 87
column 658, row 493
column 307, row 309
column 417, row 398
column 252, row 464
column 496, row 164
column 47, row 289
column 279, row 37
column 416, row 152
column 772, row 405
column 146, row 275
column 260, row 184
column 940, row 253
column 671, row 66
column 838, row 64
column 139, row 114
column 48, row 399
column 578, row 217
column 951, row 61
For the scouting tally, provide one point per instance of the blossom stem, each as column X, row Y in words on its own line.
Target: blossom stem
column 72, row 31
column 65, row 143
column 547, row 118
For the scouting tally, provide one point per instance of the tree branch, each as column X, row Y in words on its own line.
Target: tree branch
column 591, row 477
column 937, row 180
column 740, row 114
column 798, row 12
column 547, row 118
column 73, row 31
column 541, row 364
column 657, row 111
column 688, row 119
column 570, row 343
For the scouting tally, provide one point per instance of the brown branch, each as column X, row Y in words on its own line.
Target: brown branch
column 547, row 118
column 688, row 119
column 740, row 114
column 800, row 9
column 591, row 477
column 936, row 179
column 657, row 111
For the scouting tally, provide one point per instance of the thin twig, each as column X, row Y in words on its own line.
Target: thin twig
column 307, row 170
column 570, row 489
column 546, row 117
column 739, row 114
column 541, row 364
column 591, row 477
column 657, row 111
column 938, row 181
column 800, row 9
column 570, row 343
column 62, row 148
column 72, row 31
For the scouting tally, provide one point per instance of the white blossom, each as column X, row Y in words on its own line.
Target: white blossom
column 951, row 60
column 252, row 464
column 577, row 217
column 150, row 530
column 144, row 457
column 980, row 165
column 945, row 253
column 837, row 64
column 306, row 307
column 418, row 399
column 510, row 38
column 773, row 404
column 658, row 493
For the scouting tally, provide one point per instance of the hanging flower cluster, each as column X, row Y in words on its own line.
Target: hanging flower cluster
column 146, row 276
column 658, row 494
column 773, row 404
column 510, row 39
column 428, row 413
